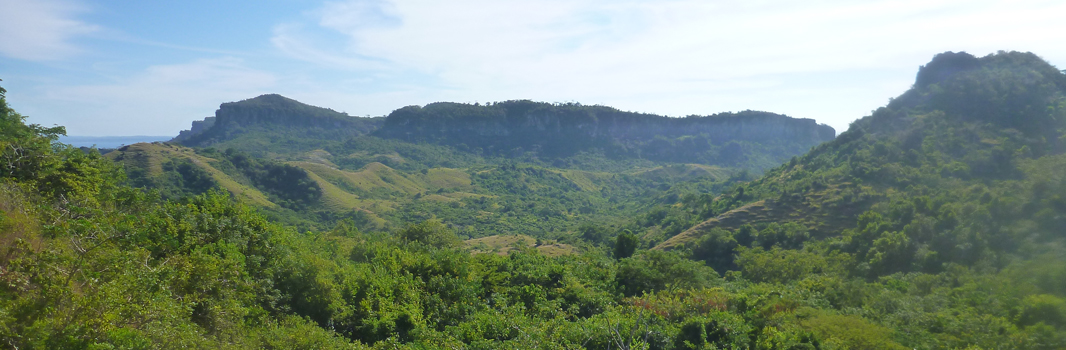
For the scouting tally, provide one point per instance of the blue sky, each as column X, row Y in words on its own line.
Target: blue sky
column 151, row 67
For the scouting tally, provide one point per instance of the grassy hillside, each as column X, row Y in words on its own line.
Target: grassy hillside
column 483, row 200
column 159, row 166
column 506, row 244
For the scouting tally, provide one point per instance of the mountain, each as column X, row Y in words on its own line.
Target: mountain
column 937, row 215
column 275, row 114
column 965, row 168
column 750, row 138
column 558, row 166
column 520, row 130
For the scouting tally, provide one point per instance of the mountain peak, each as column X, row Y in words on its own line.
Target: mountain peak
column 943, row 66
column 1013, row 90
column 272, row 114
column 275, row 100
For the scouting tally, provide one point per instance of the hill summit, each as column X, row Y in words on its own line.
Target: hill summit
column 965, row 168
column 274, row 113
column 522, row 128
column 560, row 130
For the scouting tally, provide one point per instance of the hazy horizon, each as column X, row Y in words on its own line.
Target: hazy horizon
column 110, row 141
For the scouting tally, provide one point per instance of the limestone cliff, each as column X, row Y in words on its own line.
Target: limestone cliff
column 551, row 130
column 273, row 114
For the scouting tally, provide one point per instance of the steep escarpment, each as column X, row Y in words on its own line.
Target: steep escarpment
column 198, row 127
column 272, row 124
column 560, row 130
column 274, row 116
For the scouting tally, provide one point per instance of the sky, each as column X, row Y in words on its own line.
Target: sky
column 123, row 67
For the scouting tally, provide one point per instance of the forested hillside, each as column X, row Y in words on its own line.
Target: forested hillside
column 515, row 167
column 953, row 194
column 934, row 223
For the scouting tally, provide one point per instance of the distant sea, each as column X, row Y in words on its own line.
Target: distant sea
column 109, row 141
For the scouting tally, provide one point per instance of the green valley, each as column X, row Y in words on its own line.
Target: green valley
column 936, row 222
column 382, row 175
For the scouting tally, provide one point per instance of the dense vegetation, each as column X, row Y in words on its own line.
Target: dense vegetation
column 936, row 222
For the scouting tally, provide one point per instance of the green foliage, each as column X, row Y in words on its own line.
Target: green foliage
column 625, row 245
column 654, row 270
column 780, row 265
column 717, row 248
column 430, row 232
column 930, row 224
column 1042, row 308
column 190, row 176
column 289, row 186
column 180, row 178
column 849, row 332
column 25, row 147
column 30, row 154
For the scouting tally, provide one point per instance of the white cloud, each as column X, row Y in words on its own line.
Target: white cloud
column 675, row 57
column 40, row 30
column 158, row 101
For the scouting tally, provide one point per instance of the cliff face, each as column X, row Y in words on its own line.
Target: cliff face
column 749, row 139
column 428, row 123
column 273, row 114
column 561, row 130
column 277, row 110
column 198, row 127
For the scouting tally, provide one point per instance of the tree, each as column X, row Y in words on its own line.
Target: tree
column 430, row 232
column 625, row 245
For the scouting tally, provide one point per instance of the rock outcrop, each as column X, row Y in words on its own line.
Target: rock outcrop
column 561, row 130
column 274, row 113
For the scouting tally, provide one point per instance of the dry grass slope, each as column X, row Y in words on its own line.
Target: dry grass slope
column 373, row 177
column 504, row 244
column 683, row 172
column 151, row 156
column 809, row 211
column 445, row 178
column 587, row 180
